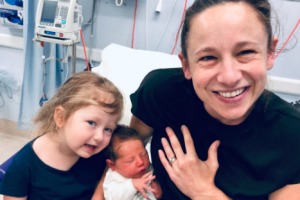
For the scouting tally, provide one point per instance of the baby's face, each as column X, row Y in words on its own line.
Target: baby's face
column 132, row 159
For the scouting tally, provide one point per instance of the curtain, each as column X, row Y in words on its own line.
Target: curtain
column 41, row 78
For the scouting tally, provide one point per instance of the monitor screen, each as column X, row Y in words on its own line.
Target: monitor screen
column 49, row 11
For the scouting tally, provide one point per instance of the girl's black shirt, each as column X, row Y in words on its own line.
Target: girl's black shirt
column 29, row 176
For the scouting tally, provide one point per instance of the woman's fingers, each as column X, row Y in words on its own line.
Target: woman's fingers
column 188, row 141
column 168, row 150
column 212, row 159
column 178, row 152
column 190, row 174
column 173, row 150
column 165, row 162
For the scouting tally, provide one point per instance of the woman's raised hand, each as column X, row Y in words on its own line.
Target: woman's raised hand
column 192, row 176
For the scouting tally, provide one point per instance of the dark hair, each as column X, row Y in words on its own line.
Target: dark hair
column 121, row 133
column 262, row 7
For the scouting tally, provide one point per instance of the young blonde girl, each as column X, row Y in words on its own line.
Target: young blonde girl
column 73, row 128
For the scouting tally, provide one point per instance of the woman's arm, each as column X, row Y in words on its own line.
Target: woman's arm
column 99, row 193
column 143, row 129
column 192, row 176
column 13, row 198
column 290, row 192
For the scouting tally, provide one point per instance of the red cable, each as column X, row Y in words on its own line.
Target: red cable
column 134, row 21
column 287, row 39
column 84, row 49
column 181, row 21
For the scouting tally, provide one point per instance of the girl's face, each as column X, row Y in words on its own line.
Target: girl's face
column 88, row 131
column 132, row 159
column 228, row 59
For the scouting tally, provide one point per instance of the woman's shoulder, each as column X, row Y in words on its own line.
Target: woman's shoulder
column 277, row 105
column 161, row 75
column 283, row 117
column 164, row 81
column 165, row 71
column 296, row 105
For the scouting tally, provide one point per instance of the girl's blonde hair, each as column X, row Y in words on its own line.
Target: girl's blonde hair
column 81, row 90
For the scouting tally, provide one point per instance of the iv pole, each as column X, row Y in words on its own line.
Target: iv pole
column 55, row 29
column 73, row 58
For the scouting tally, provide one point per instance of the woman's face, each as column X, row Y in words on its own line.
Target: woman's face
column 228, row 58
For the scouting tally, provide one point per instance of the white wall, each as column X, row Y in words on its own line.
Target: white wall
column 288, row 62
column 11, row 76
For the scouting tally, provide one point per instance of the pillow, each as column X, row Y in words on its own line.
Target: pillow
column 126, row 68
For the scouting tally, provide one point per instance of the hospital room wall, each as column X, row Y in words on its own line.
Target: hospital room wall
column 153, row 31
column 157, row 31
column 288, row 62
column 11, row 73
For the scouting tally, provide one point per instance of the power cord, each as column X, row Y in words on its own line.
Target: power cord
column 287, row 40
column 134, row 22
column 181, row 22
column 64, row 60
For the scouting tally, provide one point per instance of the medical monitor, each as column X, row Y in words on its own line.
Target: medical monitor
column 49, row 12
column 58, row 21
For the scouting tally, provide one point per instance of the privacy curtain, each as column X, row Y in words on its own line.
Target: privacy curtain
column 41, row 79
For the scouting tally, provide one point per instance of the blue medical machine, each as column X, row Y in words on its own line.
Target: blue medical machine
column 58, row 21
column 11, row 13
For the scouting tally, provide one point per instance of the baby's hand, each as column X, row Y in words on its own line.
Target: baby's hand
column 142, row 184
column 156, row 189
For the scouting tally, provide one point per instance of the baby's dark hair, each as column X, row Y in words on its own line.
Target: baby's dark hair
column 121, row 133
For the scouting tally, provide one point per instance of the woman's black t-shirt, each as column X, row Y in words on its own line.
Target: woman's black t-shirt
column 255, row 157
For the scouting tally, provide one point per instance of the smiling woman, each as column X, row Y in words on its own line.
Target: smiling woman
column 237, row 135
column 221, row 66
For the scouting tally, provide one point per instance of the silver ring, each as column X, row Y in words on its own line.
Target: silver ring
column 172, row 160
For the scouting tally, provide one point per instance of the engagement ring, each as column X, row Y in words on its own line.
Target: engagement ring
column 172, row 160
